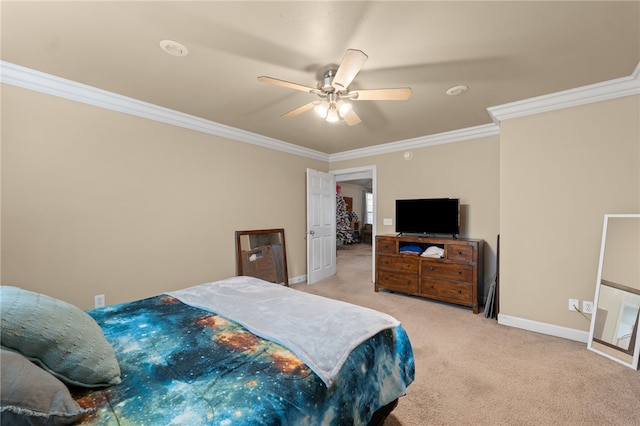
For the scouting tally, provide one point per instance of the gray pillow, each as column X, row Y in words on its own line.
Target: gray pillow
column 31, row 396
column 58, row 336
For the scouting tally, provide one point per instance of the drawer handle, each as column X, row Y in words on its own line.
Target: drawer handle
column 459, row 291
column 432, row 268
column 459, row 253
column 460, row 272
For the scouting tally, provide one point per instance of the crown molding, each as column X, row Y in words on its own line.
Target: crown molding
column 27, row 78
column 611, row 89
column 476, row 132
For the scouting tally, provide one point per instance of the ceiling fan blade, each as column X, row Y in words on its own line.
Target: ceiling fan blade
column 399, row 94
column 350, row 67
column 299, row 110
column 350, row 117
column 287, row 84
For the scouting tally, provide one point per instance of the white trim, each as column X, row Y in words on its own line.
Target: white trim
column 544, row 328
column 612, row 89
column 419, row 142
column 364, row 174
column 41, row 82
column 26, row 78
column 367, row 172
column 299, row 279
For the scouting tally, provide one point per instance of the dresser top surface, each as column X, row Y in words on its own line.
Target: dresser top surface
column 429, row 239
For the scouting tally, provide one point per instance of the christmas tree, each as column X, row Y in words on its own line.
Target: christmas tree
column 343, row 219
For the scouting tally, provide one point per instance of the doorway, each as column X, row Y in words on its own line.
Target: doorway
column 365, row 176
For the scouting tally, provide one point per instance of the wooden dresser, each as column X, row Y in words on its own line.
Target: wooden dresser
column 457, row 277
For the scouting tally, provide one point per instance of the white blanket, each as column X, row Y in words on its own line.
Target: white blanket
column 321, row 332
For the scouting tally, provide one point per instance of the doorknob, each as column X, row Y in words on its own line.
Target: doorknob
column 312, row 232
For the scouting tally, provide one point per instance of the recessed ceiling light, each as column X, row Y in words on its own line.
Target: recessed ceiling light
column 174, row 48
column 457, row 90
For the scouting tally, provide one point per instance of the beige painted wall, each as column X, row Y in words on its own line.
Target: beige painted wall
column 94, row 201
column 355, row 192
column 468, row 170
column 561, row 171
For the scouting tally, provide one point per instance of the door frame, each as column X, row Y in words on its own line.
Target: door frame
column 364, row 172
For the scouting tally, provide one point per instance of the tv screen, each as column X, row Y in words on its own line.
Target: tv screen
column 429, row 216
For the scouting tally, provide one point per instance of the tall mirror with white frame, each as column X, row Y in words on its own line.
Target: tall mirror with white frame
column 614, row 324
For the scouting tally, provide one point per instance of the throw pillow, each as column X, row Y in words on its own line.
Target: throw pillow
column 58, row 336
column 29, row 395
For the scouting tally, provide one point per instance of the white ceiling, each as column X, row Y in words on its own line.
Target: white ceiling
column 504, row 52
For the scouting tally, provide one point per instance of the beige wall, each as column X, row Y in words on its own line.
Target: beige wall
column 468, row 170
column 355, row 192
column 561, row 171
column 94, row 201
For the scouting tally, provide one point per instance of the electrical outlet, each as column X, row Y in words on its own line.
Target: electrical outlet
column 98, row 300
column 573, row 304
column 587, row 307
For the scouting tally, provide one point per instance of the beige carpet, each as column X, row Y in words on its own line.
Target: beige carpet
column 472, row 371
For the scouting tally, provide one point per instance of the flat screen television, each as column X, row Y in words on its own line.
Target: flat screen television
column 428, row 216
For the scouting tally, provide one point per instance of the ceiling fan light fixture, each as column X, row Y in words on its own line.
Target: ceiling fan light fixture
column 343, row 107
column 334, row 104
column 332, row 114
column 322, row 109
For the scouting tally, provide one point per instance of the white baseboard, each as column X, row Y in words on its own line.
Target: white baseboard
column 298, row 279
column 544, row 328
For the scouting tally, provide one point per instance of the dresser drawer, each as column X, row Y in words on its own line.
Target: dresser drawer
column 406, row 283
column 447, row 271
column 385, row 245
column 459, row 253
column 447, row 291
column 402, row 263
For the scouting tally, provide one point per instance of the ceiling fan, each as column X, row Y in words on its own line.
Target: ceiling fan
column 333, row 91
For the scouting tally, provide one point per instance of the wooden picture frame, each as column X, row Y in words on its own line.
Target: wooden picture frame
column 262, row 253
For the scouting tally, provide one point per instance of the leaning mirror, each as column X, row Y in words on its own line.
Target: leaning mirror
column 262, row 254
column 614, row 324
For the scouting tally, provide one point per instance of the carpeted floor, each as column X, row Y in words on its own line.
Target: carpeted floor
column 472, row 371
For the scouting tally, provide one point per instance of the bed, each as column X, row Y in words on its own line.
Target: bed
column 241, row 351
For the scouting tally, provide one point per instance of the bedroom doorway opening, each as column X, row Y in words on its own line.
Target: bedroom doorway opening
column 362, row 181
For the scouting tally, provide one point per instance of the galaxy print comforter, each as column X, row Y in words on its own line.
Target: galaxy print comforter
column 183, row 365
column 320, row 331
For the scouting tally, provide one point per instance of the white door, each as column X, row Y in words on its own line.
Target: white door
column 321, row 225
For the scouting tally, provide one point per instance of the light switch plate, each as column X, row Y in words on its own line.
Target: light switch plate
column 387, row 221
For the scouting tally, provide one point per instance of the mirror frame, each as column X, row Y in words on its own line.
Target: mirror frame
column 627, row 357
column 275, row 263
